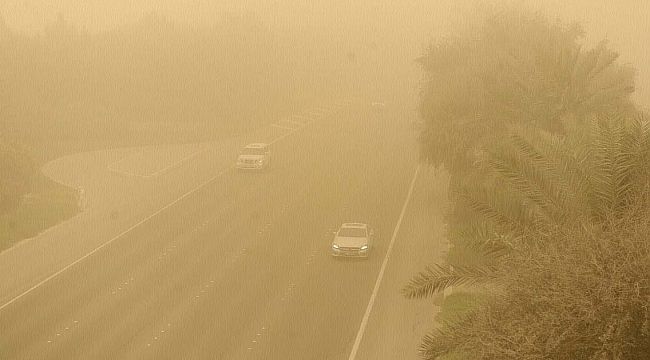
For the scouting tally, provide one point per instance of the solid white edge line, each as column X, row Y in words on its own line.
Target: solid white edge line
column 282, row 136
column 177, row 163
column 128, row 230
column 114, row 238
column 137, row 152
column 126, row 173
column 157, row 172
column 371, row 302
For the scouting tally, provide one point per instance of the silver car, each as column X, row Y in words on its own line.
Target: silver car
column 352, row 240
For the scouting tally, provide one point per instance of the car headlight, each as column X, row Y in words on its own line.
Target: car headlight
column 364, row 247
column 334, row 246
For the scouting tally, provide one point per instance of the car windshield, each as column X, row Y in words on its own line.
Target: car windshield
column 253, row 151
column 352, row 232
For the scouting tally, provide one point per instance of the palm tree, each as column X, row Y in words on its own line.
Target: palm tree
column 530, row 196
column 513, row 68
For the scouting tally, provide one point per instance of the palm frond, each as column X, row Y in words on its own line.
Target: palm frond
column 448, row 338
column 528, row 176
column 507, row 211
column 481, row 239
column 436, row 278
column 613, row 165
column 604, row 57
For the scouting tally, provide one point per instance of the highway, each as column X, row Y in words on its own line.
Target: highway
column 239, row 267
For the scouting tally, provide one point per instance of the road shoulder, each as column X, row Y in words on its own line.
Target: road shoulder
column 396, row 324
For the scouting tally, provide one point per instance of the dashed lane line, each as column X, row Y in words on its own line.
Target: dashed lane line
column 112, row 168
column 177, row 163
column 127, row 173
column 115, row 238
column 59, row 272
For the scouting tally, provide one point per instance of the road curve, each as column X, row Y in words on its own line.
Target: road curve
column 238, row 269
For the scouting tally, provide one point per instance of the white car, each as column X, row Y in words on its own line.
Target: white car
column 352, row 240
column 254, row 156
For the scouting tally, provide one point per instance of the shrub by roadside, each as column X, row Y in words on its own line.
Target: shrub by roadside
column 46, row 205
column 455, row 306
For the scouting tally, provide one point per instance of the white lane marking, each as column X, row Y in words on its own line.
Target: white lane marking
column 155, row 173
column 141, row 152
column 366, row 316
column 115, row 238
column 127, row 173
column 281, row 137
column 283, row 127
column 190, row 156
column 218, row 175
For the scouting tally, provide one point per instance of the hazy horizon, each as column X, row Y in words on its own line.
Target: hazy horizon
column 410, row 23
column 341, row 180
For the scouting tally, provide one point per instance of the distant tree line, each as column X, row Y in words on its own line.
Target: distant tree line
column 153, row 70
column 17, row 171
column 549, row 193
column 66, row 84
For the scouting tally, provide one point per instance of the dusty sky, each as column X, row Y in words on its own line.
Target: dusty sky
column 408, row 22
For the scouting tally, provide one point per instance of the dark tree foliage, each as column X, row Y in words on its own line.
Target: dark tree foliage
column 68, row 83
column 16, row 174
column 151, row 70
column 513, row 68
column 549, row 193
column 562, row 223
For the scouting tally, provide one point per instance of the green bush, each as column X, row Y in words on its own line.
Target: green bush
column 48, row 204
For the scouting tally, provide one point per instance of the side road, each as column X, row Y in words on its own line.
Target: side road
column 122, row 188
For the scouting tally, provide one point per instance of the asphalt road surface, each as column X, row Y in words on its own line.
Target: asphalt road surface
column 239, row 268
